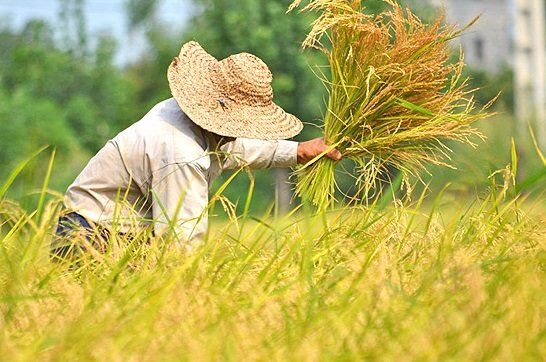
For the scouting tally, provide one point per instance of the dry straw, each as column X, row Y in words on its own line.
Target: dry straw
column 395, row 97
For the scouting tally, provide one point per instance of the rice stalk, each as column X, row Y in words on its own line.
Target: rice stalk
column 395, row 97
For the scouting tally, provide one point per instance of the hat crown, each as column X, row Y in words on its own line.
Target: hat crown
column 248, row 77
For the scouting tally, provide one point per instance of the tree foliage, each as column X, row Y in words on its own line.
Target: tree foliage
column 140, row 12
column 52, row 95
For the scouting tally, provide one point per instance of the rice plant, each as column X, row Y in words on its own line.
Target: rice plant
column 395, row 97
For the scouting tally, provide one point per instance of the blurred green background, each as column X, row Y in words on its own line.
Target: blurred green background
column 64, row 85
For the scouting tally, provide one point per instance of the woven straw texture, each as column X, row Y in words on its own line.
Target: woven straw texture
column 232, row 97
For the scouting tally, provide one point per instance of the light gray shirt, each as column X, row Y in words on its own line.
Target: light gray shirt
column 157, row 173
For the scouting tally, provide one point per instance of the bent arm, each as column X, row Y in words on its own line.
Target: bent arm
column 258, row 154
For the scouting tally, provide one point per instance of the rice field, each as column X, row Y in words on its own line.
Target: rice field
column 433, row 279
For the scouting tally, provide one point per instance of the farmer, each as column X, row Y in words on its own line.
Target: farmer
column 156, row 174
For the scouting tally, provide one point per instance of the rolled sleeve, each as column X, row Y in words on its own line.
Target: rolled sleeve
column 259, row 154
column 286, row 154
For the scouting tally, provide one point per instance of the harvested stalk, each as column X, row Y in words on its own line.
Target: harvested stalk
column 395, row 97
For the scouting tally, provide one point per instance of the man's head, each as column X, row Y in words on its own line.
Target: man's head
column 232, row 97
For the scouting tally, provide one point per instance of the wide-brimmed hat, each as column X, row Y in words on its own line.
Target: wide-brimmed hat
column 232, row 97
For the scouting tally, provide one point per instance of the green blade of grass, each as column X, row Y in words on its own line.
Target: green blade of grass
column 45, row 185
column 17, row 170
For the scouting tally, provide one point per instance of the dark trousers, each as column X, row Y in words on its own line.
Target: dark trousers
column 72, row 236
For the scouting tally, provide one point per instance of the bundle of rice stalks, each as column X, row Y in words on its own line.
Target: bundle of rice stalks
column 395, row 97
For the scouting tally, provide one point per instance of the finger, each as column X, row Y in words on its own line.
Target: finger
column 335, row 155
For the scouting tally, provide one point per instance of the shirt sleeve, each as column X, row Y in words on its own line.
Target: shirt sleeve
column 180, row 199
column 258, row 153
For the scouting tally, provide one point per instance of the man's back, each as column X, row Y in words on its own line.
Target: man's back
column 117, row 182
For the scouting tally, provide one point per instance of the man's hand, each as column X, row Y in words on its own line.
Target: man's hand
column 311, row 149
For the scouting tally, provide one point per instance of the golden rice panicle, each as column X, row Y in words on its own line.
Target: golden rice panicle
column 394, row 96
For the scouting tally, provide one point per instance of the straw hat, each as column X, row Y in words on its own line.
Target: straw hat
column 232, row 97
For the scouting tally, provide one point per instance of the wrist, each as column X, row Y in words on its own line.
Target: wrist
column 300, row 153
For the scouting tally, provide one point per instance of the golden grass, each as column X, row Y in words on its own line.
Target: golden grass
column 397, row 283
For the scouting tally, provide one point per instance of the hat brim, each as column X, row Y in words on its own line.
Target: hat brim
column 191, row 82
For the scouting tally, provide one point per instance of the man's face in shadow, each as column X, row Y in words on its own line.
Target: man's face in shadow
column 222, row 140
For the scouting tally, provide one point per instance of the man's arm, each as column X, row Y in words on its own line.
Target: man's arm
column 265, row 154
column 243, row 152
